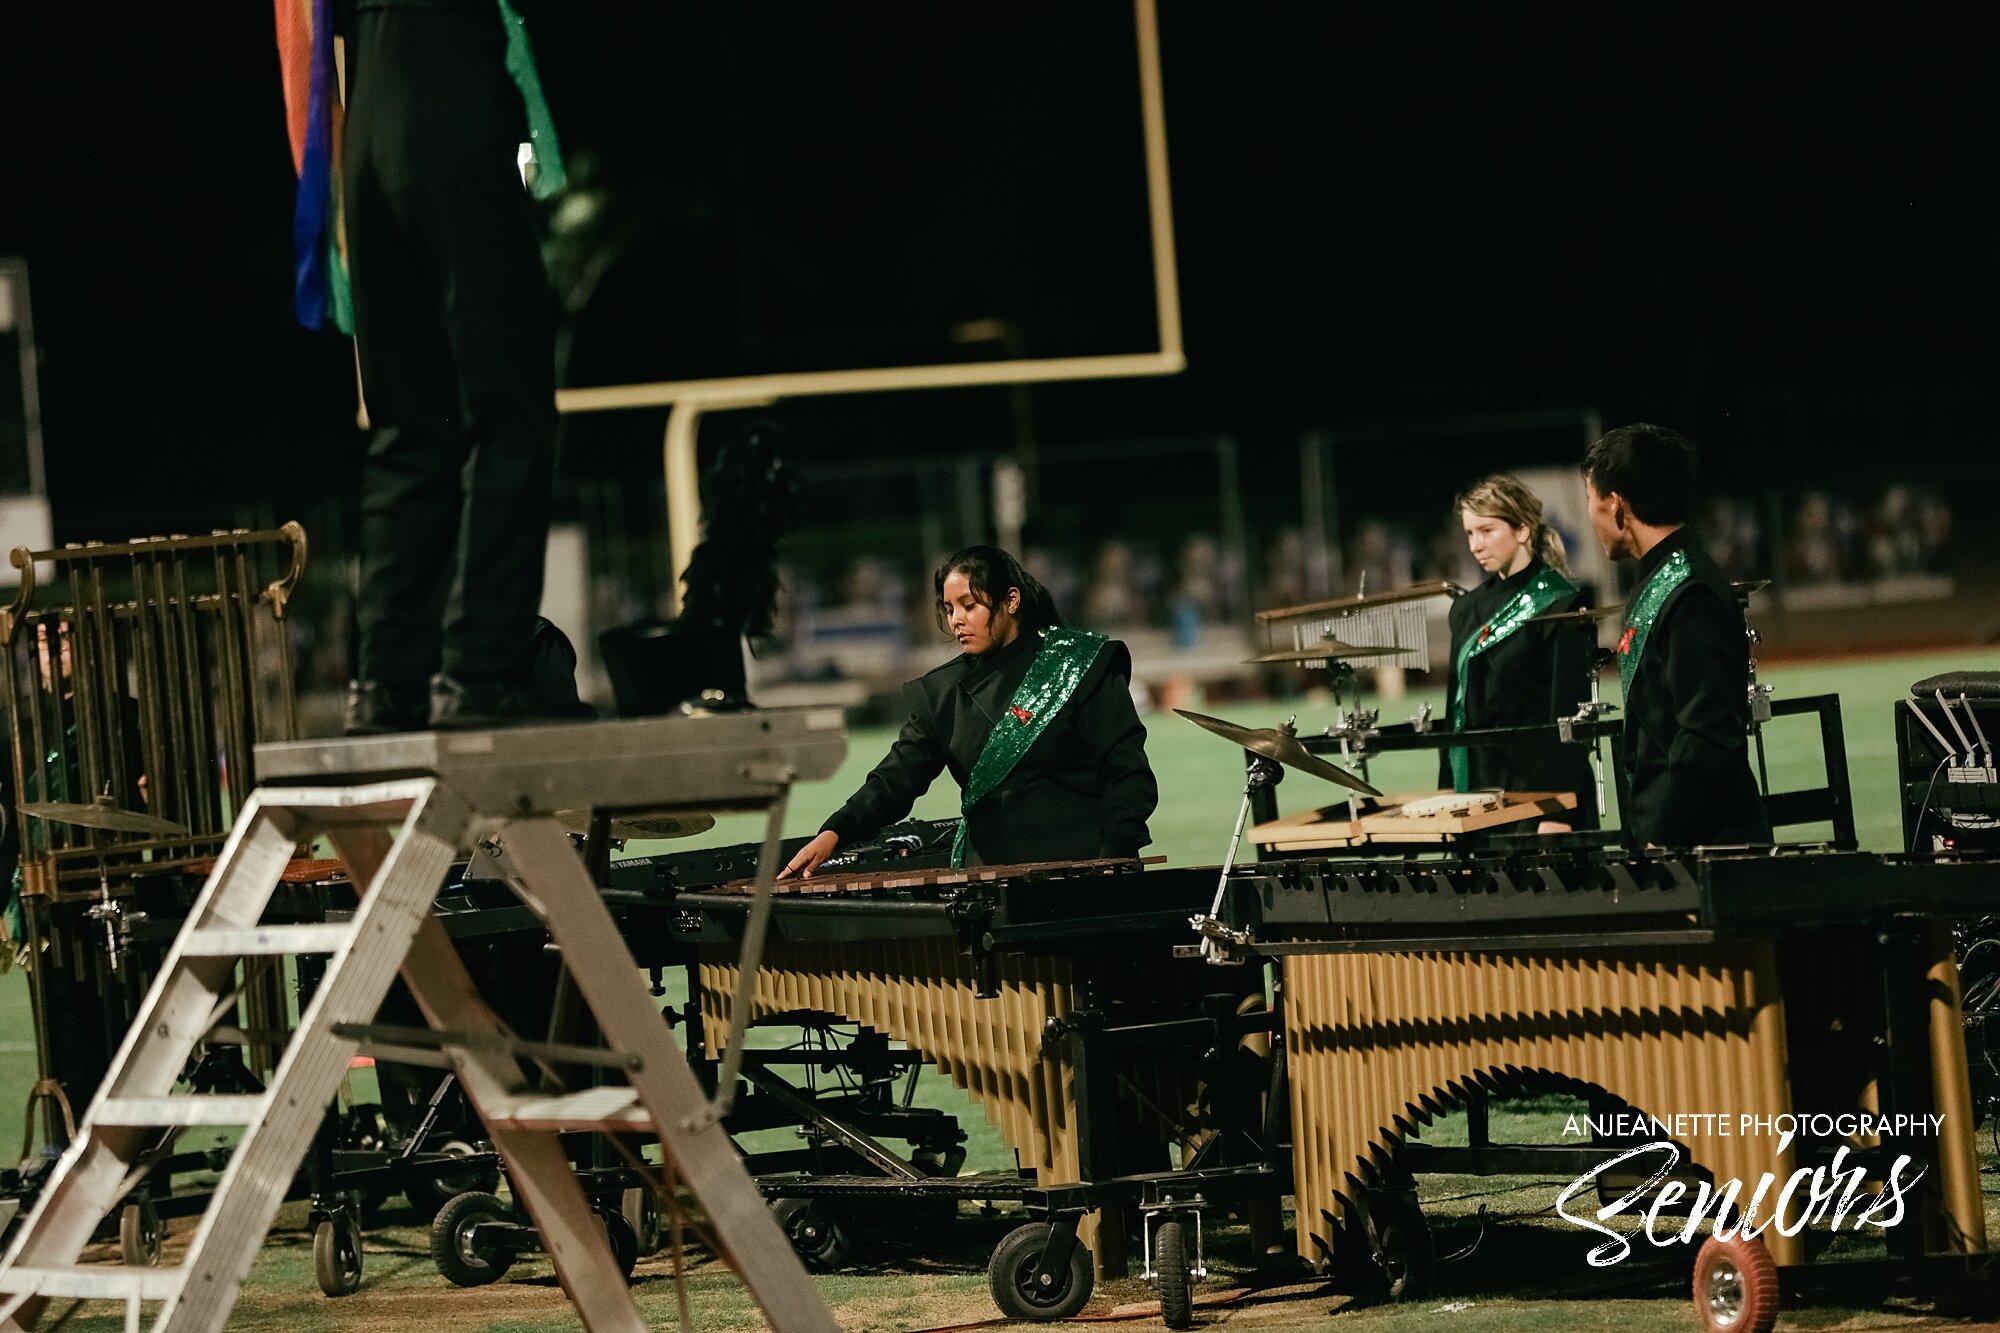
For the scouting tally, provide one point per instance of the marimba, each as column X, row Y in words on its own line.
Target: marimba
column 1746, row 983
column 1049, row 993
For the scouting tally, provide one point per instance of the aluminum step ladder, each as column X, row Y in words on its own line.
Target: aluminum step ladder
column 399, row 811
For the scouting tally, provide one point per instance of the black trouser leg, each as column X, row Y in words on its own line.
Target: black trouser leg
column 456, row 341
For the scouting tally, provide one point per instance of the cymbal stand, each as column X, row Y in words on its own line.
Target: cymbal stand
column 1216, row 937
column 1589, row 711
column 1352, row 731
column 1760, row 708
column 107, row 911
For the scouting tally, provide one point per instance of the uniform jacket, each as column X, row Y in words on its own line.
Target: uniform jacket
column 1687, row 714
column 1083, row 790
column 1532, row 677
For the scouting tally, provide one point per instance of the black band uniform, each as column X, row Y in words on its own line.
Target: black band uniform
column 1084, row 788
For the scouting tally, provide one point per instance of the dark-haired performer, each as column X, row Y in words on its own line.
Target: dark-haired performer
column 1683, row 655
column 1035, row 720
column 1509, row 669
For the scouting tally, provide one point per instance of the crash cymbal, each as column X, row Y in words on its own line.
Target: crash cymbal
column 102, row 814
column 643, row 823
column 1330, row 650
column 1589, row 615
column 1282, row 745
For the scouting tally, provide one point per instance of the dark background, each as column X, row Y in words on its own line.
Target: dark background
column 1763, row 225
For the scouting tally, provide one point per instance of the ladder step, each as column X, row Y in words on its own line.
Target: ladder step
column 257, row 941
column 100, row 1282
column 611, row 1108
column 189, row 1109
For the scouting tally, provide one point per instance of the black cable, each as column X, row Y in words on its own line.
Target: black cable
column 1916, row 829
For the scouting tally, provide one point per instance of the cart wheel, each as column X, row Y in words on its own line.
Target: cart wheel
column 140, row 1232
column 815, row 1232
column 1735, row 1286
column 1403, row 1247
column 641, row 1210
column 431, row 1193
column 1173, row 1274
column 337, row 1255
column 454, row 1248
column 1011, row 1277
column 624, row 1240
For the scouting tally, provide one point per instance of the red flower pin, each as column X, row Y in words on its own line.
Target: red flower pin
column 1020, row 714
column 1625, row 640
column 1484, row 631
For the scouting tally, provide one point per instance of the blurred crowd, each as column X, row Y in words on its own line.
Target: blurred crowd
column 1903, row 532
column 872, row 617
column 876, row 613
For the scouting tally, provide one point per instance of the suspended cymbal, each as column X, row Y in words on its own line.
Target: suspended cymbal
column 1331, row 649
column 1281, row 744
column 102, row 814
column 1589, row 615
column 643, row 823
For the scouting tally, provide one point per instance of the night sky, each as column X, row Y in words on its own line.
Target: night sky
column 1761, row 224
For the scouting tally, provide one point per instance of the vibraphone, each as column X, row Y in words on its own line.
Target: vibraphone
column 1752, row 983
column 1048, row 993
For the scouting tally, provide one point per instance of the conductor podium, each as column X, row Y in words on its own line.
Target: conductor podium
column 398, row 811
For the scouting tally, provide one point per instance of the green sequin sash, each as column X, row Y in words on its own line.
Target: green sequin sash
column 1065, row 658
column 1642, row 611
column 1543, row 591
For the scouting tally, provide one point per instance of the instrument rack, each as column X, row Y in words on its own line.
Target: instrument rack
column 1831, row 802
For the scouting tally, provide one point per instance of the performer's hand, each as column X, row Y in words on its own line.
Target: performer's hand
column 811, row 855
column 1553, row 826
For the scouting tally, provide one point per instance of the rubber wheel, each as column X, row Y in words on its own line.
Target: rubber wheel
column 462, row 1262
column 1010, row 1277
column 816, row 1232
column 1735, row 1286
column 1173, row 1273
column 337, row 1255
column 1403, row 1248
column 640, row 1208
column 140, row 1234
column 624, row 1241
column 431, row 1193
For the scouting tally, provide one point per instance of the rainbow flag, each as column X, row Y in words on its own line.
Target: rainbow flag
column 315, row 115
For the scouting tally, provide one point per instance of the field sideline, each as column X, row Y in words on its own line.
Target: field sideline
column 1527, row 1274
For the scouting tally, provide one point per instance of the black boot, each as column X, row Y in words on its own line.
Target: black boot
column 377, row 709
column 472, row 705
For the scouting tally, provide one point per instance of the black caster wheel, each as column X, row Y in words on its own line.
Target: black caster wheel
column 816, row 1232
column 1173, row 1274
column 1403, row 1247
column 140, row 1234
column 624, row 1241
column 337, row 1254
column 1011, row 1277
column 641, row 1209
column 455, row 1245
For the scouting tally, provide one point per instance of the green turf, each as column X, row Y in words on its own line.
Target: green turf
column 1527, row 1273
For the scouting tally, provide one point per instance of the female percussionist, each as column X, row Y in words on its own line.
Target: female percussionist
column 1034, row 720
column 1506, row 668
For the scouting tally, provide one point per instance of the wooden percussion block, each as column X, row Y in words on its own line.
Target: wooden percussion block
column 1388, row 819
